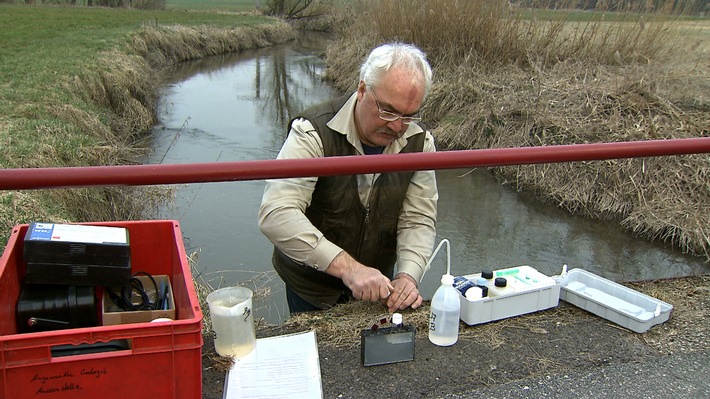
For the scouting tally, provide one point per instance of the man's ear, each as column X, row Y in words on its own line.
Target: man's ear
column 361, row 88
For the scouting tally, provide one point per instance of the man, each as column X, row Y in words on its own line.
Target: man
column 339, row 237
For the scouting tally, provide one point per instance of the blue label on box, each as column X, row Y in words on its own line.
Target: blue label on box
column 41, row 231
column 88, row 234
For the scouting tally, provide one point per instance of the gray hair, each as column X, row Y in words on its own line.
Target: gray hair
column 387, row 56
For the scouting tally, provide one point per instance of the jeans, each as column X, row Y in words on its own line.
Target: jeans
column 296, row 304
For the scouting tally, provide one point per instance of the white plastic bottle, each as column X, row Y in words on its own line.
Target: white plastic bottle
column 501, row 287
column 397, row 321
column 474, row 293
column 445, row 313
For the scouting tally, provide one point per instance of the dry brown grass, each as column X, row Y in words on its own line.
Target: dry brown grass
column 687, row 330
column 661, row 198
column 341, row 325
column 165, row 45
column 124, row 86
column 20, row 206
column 563, row 83
column 489, row 33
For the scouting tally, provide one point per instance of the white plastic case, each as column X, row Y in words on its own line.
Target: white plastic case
column 534, row 291
column 622, row 305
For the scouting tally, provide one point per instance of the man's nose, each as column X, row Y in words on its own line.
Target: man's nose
column 397, row 125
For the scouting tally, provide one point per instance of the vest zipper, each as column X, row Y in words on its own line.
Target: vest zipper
column 363, row 237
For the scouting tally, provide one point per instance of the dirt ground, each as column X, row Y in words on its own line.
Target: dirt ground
column 548, row 342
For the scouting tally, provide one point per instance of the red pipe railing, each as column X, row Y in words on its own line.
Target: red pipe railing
column 39, row 178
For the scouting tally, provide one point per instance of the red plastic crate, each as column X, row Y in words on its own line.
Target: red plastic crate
column 163, row 360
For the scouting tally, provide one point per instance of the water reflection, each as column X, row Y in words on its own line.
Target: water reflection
column 235, row 107
column 285, row 87
column 239, row 103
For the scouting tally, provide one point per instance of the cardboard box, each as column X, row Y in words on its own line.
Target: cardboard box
column 112, row 314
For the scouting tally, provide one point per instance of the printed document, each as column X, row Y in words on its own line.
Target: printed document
column 285, row 366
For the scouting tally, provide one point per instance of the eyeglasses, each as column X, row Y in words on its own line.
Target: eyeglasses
column 391, row 116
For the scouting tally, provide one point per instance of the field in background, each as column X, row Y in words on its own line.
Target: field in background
column 225, row 5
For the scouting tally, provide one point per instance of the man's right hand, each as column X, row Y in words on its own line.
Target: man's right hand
column 366, row 283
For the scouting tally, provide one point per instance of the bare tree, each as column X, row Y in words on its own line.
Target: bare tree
column 288, row 8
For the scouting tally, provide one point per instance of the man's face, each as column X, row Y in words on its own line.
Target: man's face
column 398, row 92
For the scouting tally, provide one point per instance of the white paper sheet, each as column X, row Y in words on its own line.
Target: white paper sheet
column 285, row 366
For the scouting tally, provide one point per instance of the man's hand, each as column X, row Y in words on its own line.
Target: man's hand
column 366, row 283
column 404, row 294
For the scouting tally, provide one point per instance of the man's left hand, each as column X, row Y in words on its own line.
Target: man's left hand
column 405, row 294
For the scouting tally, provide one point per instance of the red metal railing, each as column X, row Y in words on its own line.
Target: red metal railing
column 39, row 178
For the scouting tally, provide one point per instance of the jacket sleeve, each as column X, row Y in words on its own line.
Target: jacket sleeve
column 282, row 216
column 417, row 220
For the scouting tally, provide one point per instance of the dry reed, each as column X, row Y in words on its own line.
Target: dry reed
column 166, row 45
column 506, row 78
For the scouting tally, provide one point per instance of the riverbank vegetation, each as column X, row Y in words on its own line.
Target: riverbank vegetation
column 507, row 77
column 79, row 88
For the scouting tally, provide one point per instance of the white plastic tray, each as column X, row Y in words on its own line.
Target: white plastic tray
column 533, row 291
column 626, row 307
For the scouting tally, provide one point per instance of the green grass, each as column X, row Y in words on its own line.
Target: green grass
column 40, row 44
column 44, row 48
column 599, row 16
column 227, row 5
column 44, row 122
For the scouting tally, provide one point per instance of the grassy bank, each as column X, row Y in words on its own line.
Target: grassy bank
column 79, row 87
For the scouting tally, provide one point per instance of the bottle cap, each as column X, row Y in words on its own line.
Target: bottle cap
column 481, row 281
column 397, row 319
column 487, row 274
column 484, row 291
column 474, row 293
column 501, row 282
column 447, row 279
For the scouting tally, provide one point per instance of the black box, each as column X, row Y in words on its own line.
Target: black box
column 77, row 244
column 73, row 254
column 55, row 307
column 387, row 345
column 77, row 274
